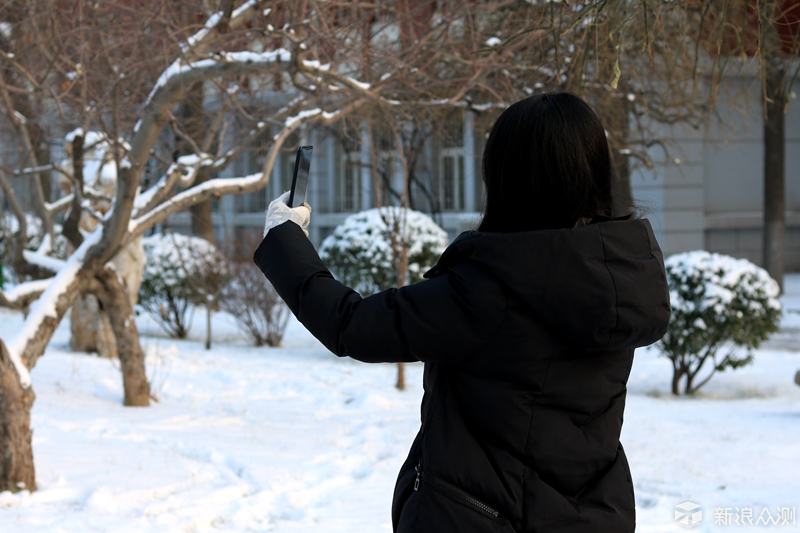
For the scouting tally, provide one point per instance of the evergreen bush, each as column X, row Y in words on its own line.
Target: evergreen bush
column 720, row 307
column 359, row 252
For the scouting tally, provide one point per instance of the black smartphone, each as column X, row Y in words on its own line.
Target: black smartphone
column 300, row 178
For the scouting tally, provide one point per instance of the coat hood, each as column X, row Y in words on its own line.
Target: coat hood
column 601, row 286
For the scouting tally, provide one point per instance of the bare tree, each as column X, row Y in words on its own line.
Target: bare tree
column 314, row 50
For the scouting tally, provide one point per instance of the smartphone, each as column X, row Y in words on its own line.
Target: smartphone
column 300, row 178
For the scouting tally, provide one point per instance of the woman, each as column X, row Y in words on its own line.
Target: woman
column 527, row 328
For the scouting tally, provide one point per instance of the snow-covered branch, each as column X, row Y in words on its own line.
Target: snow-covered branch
column 43, row 261
column 171, row 88
column 198, row 42
column 46, row 312
column 60, row 204
column 23, row 294
column 222, row 186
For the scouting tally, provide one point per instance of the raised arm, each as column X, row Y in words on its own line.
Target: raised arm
column 448, row 318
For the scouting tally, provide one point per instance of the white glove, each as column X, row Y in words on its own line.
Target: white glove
column 278, row 213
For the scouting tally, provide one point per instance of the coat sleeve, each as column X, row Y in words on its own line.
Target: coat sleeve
column 448, row 318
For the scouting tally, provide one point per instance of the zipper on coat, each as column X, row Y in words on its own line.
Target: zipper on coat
column 454, row 492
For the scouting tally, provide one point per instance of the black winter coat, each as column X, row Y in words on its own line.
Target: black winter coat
column 528, row 340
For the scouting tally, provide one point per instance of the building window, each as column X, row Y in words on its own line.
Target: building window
column 349, row 198
column 250, row 163
column 452, row 169
column 451, row 165
column 348, row 191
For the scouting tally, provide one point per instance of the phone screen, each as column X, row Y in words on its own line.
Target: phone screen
column 300, row 179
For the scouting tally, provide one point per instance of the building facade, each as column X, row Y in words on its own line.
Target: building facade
column 707, row 190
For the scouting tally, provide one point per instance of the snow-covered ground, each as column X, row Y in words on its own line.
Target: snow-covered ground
column 293, row 439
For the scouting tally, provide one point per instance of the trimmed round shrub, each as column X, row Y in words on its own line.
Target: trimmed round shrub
column 722, row 308
column 360, row 251
column 178, row 270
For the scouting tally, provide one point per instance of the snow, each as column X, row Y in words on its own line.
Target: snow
column 209, row 185
column 178, row 68
column 724, row 278
column 143, row 198
column 192, row 41
column 306, row 114
column 46, row 245
column 52, row 264
column 18, row 291
column 791, row 302
column 360, row 84
column 58, row 204
column 302, row 116
column 170, row 256
column 193, row 159
column 493, row 41
column 293, row 439
column 316, row 64
column 368, row 230
column 70, row 137
column 99, row 166
column 6, row 30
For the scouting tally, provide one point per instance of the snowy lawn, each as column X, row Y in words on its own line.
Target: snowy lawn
column 294, row 439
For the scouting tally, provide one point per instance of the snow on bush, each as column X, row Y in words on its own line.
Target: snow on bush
column 178, row 270
column 359, row 252
column 720, row 305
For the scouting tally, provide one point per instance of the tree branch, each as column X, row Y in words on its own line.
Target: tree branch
column 222, row 186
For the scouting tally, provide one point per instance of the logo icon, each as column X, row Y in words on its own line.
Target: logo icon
column 688, row 514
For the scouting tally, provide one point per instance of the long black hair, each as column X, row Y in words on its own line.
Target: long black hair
column 546, row 165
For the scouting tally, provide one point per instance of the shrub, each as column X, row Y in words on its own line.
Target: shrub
column 255, row 305
column 720, row 305
column 359, row 252
column 179, row 271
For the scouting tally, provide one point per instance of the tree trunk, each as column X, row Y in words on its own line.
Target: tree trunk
column 116, row 303
column 621, row 194
column 690, row 381
column 402, row 280
column 616, row 117
column 774, row 172
column 201, row 217
column 90, row 326
column 16, row 452
column 676, row 381
column 208, row 325
column 193, row 122
column 401, row 376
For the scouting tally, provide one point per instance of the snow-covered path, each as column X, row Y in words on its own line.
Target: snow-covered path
column 294, row 439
